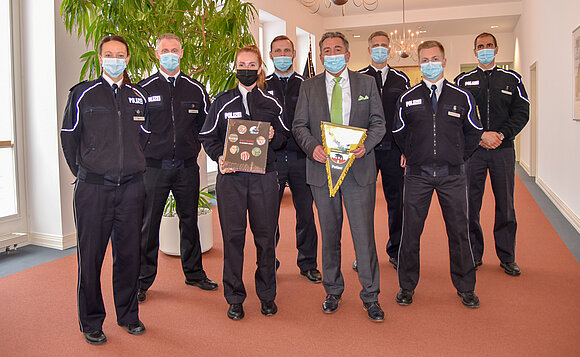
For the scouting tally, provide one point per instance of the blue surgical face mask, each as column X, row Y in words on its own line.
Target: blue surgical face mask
column 334, row 64
column 282, row 63
column 114, row 67
column 380, row 54
column 486, row 56
column 432, row 70
column 169, row 61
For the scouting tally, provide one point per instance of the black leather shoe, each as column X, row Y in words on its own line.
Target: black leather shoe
column 394, row 261
column 469, row 299
column 141, row 295
column 95, row 338
column 269, row 308
column 204, row 284
column 374, row 310
column 313, row 275
column 355, row 266
column 330, row 305
column 404, row 297
column 236, row 312
column 511, row 268
column 136, row 328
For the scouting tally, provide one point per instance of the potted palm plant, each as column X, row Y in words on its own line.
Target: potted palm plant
column 169, row 229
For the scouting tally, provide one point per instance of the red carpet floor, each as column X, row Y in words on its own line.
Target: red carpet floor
column 536, row 314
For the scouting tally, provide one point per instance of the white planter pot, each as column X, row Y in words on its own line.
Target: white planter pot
column 169, row 233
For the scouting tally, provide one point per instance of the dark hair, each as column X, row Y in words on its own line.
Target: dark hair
column 281, row 38
column 484, row 34
column 377, row 34
column 126, row 79
column 430, row 44
column 333, row 35
column 255, row 50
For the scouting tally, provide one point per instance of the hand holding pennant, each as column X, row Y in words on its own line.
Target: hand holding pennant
column 338, row 142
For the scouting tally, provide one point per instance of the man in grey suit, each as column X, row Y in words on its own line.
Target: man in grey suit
column 341, row 96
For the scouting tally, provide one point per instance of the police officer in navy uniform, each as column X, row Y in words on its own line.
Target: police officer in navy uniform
column 240, row 194
column 504, row 108
column 391, row 84
column 103, row 134
column 284, row 84
column 178, row 105
column 437, row 128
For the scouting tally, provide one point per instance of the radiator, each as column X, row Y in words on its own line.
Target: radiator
column 12, row 240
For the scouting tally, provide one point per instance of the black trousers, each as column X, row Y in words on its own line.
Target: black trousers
column 241, row 196
column 389, row 165
column 101, row 212
column 501, row 166
column 452, row 194
column 184, row 184
column 293, row 173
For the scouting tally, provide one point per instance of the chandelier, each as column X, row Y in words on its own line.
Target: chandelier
column 404, row 44
column 314, row 5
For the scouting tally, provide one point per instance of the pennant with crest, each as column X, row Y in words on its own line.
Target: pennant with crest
column 338, row 142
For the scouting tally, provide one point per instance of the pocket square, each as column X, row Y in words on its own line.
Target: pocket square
column 360, row 97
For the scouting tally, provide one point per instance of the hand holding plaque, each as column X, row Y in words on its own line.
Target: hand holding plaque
column 246, row 146
column 339, row 141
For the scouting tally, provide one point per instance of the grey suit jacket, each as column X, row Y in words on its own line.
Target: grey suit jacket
column 312, row 109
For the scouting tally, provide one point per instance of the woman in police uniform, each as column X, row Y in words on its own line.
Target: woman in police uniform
column 103, row 134
column 241, row 193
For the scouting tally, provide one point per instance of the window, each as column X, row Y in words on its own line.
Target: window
column 8, row 187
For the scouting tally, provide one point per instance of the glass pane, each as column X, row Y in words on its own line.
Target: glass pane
column 6, row 127
column 7, row 183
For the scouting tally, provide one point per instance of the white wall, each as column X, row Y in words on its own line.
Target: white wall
column 41, row 127
column 295, row 15
column 544, row 35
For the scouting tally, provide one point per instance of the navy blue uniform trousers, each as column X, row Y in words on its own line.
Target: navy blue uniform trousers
column 103, row 211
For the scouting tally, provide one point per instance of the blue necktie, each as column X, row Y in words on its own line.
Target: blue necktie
column 434, row 98
column 115, row 87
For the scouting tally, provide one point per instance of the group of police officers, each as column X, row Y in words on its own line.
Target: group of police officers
column 129, row 145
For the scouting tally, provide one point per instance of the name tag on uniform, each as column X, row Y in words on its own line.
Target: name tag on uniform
column 506, row 92
column 413, row 102
column 138, row 118
column 135, row 100
column 454, row 114
column 154, row 98
column 472, row 83
column 193, row 111
column 233, row 115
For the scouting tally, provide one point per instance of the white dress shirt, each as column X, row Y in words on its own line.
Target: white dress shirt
column 166, row 76
column 384, row 72
column 439, row 85
column 346, row 97
column 244, row 92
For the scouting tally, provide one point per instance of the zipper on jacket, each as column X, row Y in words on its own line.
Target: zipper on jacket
column 434, row 142
column 122, row 153
column 171, row 93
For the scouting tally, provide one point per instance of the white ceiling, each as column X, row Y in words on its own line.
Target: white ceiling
column 397, row 5
column 438, row 18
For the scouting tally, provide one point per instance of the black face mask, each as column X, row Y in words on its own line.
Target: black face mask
column 247, row 76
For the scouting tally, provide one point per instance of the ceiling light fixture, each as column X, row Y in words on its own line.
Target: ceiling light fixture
column 494, row 26
column 314, row 5
column 404, row 44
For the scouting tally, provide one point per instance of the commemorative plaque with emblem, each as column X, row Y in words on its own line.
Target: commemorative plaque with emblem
column 246, row 147
column 338, row 142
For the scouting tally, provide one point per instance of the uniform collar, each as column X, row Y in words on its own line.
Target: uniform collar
column 288, row 76
column 110, row 80
column 166, row 76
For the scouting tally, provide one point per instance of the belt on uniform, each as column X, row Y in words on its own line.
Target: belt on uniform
column 435, row 170
column 107, row 180
column 170, row 164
